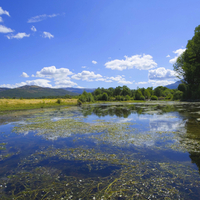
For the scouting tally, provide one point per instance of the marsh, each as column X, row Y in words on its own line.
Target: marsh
column 102, row 151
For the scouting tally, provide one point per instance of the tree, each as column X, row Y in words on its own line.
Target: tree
column 182, row 87
column 117, row 91
column 138, row 95
column 188, row 65
column 125, row 91
column 105, row 97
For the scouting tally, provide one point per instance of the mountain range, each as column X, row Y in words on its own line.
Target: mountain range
column 39, row 92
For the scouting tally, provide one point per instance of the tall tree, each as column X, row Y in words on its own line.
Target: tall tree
column 188, row 65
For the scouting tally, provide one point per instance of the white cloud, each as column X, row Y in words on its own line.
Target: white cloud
column 47, row 35
column 178, row 52
column 65, row 83
column 83, row 67
column 86, row 76
column 53, row 72
column 13, row 85
column 140, row 62
column 38, row 82
column 168, row 56
column 1, row 20
column 33, row 29
column 25, row 75
column 94, row 62
column 156, row 83
column 4, row 29
column 141, row 83
column 161, row 74
column 4, row 12
column 39, row 18
column 119, row 79
column 18, row 36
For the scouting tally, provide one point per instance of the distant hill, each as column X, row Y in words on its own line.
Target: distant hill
column 173, row 85
column 34, row 92
column 79, row 90
column 3, row 89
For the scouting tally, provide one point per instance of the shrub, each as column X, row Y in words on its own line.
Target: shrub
column 127, row 97
column 58, row 101
column 142, row 97
column 154, row 97
column 178, row 95
column 105, row 97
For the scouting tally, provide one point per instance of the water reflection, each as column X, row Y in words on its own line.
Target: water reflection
column 117, row 151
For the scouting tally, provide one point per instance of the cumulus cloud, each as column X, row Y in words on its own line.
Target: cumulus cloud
column 33, row 29
column 47, row 35
column 141, row 83
column 119, row 79
column 53, row 72
column 38, row 82
column 4, row 12
column 65, row 83
column 1, row 20
column 94, row 62
column 18, row 36
column 4, row 29
column 141, row 62
column 156, row 83
column 83, row 67
column 168, row 56
column 86, row 76
column 25, row 75
column 161, row 74
column 178, row 52
column 39, row 18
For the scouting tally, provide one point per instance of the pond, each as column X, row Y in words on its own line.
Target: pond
column 102, row 151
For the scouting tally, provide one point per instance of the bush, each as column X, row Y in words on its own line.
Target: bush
column 142, row 97
column 154, row 97
column 169, row 96
column 105, row 97
column 58, row 101
column 127, row 97
column 178, row 95
column 79, row 103
column 82, row 98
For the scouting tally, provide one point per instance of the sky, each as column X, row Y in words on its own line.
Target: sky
column 93, row 43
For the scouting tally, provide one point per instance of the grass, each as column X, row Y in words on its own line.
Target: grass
column 25, row 104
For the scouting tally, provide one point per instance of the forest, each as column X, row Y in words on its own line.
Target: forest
column 126, row 94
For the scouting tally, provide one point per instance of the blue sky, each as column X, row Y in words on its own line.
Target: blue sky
column 93, row 43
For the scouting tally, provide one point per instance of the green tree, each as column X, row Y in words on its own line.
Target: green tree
column 138, row 95
column 182, row 87
column 147, row 94
column 105, row 97
column 188, row 65
column 97, row 91
column 125, row 91
column 117, row 91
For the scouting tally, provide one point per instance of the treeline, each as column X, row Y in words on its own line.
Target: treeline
column 125, row 94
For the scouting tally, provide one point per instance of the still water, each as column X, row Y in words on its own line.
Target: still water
column 102, row 151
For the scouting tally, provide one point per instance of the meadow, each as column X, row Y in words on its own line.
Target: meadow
column 25, row 104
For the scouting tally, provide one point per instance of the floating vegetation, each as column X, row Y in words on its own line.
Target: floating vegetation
column 130, row 179
column 117, row 151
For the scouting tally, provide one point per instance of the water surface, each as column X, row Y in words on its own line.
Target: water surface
column 102, row 151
